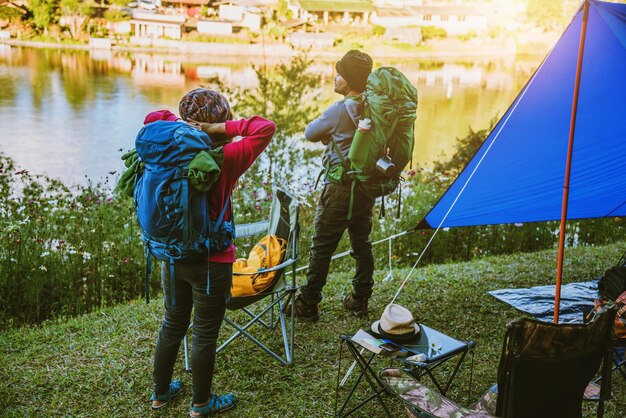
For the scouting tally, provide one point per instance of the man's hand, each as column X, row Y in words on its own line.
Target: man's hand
column 209, row 128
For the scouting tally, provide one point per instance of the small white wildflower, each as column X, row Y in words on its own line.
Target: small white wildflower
column 86, row 256
column 52, row 245
column 72, row 251
column 14, row 260
column 43, row 268
column 45, row 253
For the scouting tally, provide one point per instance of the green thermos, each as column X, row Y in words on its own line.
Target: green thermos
column 360, row 144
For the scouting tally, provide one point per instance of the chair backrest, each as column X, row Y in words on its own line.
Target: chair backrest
column 283, row 222
column 545, row 367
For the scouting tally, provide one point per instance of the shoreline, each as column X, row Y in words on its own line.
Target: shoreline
column 277, row 51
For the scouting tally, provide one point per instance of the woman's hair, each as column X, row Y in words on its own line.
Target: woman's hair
column 204, row 105
column 209, row 106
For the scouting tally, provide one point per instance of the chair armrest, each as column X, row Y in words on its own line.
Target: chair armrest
column 248, row 230
column 280, row 266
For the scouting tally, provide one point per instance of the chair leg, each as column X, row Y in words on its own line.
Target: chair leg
column 287, row 335
column 283, row 327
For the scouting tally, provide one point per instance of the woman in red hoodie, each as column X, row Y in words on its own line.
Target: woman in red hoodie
column 210, row 111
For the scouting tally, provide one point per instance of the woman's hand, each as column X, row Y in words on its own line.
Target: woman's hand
column 209, row 128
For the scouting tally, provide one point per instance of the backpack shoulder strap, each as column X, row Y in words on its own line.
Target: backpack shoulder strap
column 340, row 154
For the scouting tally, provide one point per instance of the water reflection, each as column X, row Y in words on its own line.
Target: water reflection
column 74, row 110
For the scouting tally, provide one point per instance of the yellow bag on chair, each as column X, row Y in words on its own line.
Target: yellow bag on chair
column 267, row 253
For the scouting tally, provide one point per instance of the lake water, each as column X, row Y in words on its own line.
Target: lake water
column 71, row 114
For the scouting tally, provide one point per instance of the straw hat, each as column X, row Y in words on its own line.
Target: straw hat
column 396, row 324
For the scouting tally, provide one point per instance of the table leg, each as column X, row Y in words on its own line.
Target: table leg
column 429, row 372
column 371, row 377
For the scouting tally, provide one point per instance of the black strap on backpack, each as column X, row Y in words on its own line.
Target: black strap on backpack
column 148, row 273
column 214, row 229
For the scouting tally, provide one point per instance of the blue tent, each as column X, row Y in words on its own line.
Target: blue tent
column 518, row 174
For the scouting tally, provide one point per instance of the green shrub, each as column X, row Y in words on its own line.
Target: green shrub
column 472, row 34
column 378, row 30
column 200, row 37
column 116, row 15
column 63, row 251
column 9, row 13
column 433, row 32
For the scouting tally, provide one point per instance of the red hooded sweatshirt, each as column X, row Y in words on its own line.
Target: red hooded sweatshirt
column 238, row 157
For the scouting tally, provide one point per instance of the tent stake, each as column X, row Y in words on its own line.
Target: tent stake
column 568, row 165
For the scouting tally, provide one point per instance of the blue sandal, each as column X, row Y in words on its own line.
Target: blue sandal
column 175, row 387
column 216, row 405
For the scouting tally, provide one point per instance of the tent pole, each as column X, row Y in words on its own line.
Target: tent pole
column 568, row 164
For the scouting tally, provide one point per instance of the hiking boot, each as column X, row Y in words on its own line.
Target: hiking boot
column 304, row 311
column 356, row 305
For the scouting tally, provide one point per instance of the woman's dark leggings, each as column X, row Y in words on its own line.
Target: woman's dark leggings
column 190, row 284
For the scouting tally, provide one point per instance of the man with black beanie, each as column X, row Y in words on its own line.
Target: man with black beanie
column 335, row 128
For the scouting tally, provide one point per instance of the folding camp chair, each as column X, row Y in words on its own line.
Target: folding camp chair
column 266, row 308
column 544, row 371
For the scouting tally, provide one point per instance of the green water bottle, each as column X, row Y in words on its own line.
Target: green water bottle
column 360, row 144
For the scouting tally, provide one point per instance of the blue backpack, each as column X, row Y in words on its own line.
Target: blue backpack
column 172, row 214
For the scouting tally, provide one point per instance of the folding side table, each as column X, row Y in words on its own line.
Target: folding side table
column 429, row 350
column 436, row 348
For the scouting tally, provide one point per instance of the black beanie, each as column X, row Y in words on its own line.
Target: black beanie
column 354, row 67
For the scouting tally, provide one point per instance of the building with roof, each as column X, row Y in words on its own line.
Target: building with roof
column 185, row 4
column 154, row 25
column 455, row 19
column 326, row 11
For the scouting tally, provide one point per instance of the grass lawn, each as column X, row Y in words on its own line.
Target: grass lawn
column 100, row 364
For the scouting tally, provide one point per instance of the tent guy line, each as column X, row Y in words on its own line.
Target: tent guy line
column 518, row 100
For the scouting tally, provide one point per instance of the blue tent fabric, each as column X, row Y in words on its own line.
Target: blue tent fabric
column 576, row 300
column 518, row 173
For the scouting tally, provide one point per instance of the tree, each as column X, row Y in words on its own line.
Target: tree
column 76, row 14
column 282, row 10
column 287, row 94
column 545, row 14
column 9, row 13
column 43, row 13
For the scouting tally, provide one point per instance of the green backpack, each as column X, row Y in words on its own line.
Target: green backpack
column 391, row 105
